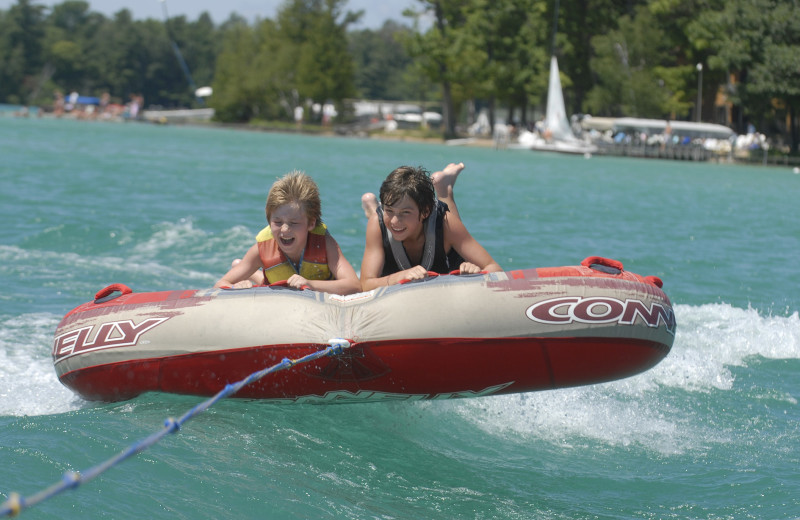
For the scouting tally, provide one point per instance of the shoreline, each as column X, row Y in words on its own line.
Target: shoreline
column 687, row 154
column 677, row 153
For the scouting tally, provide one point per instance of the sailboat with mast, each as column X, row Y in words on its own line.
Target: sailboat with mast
column 557, row 135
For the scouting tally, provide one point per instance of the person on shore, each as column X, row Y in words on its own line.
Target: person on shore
column 58, row 103
column 414, row 230
column 296, row 246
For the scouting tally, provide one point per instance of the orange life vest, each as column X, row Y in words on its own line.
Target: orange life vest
column 313, row 266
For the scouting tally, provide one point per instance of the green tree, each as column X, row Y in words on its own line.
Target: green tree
column 242, row 76
column 579, row 21
column 381, row 63
column 636, row 73
column 21, row 33
column 528, row 64
column 116, row 51
column 436, row 53
column 323, row 70
column 201, row 47
column 509, row 63
column 758, row 42
column 69, row 32
column 192, row 50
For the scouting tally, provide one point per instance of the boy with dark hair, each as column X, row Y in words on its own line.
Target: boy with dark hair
column 412, row 231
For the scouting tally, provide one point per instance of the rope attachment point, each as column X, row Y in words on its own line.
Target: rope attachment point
column 337, row 345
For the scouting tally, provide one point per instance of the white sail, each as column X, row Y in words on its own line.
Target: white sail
column 556, row 136
column 555, row 122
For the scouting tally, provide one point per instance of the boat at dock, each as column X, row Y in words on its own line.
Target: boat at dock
column 556, row 134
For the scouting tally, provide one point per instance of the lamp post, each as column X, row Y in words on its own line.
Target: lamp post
column 699, row 91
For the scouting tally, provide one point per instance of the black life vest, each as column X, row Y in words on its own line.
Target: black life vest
column 434, row 257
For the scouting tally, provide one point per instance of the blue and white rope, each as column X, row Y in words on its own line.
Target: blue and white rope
column 72, row 479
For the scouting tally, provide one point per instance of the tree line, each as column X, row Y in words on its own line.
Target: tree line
column 737, row 59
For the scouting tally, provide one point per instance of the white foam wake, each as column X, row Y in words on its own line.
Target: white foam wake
column 650, row 409
column 28, row 382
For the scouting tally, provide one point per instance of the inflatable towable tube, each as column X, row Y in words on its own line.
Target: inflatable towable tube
column 443, row 337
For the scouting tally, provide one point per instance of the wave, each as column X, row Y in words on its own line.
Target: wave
column 664, row 408
column 28, row 383
column 711, row 339
column 167, row 255
column 668, row 409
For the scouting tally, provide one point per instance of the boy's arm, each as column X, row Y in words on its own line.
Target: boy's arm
column 457, row 236
column 372, row 262
column 250, row 263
